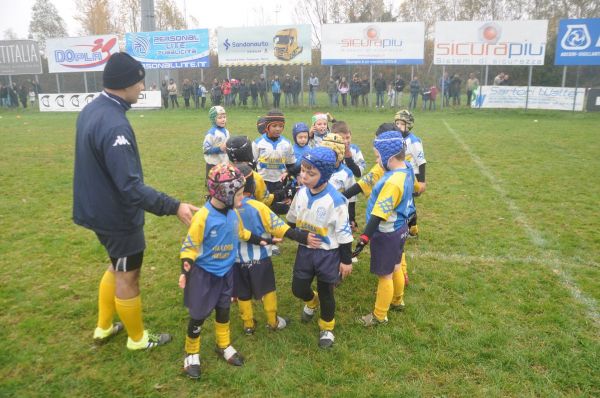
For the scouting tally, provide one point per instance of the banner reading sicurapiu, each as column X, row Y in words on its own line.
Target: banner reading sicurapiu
column 170, row 50
column 578, row 42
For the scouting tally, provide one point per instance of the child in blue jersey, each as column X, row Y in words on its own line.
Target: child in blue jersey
column 207, row 255
column 353, row 156
column 215, row 138
column 300, row 133
column 319, row 208
column 253, row 275
column 389, row 207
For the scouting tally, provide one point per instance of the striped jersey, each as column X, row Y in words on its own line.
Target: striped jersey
column 271, row 156
column 342, row 179
column 391, row 199
column 215, row 136
column 414, row 152
column 358, row 158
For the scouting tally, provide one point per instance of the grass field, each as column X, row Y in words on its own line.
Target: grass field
column 504, row 290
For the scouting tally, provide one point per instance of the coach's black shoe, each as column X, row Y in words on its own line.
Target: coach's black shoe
column 230, row 355
column 191, row 366
column 326, row 339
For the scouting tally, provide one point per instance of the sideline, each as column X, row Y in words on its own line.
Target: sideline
column 553, row 263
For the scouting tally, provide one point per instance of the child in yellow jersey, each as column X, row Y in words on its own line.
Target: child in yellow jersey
column 207, row 255
column 389, row 207
column 253, row 275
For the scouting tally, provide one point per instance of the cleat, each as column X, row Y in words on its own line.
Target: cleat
column 249, row 331
column 413, row 231
column 307, row 314
column 101, row 336
column 398, row 307
column 230, row 355
column 326, row 339
column 281, row 324
column 275, row 250
column 371, row 320
column 150, row 340
column 191, row 366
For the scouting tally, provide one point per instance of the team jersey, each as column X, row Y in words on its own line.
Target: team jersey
column 414, row 152
column 392, row 199
column 272, row 156
column 259, row 220
column 317, row 138
column 261, row 193
column 342, row 179
column 325, row 214
column 215, row 136
column 368, row 181
column 299, row 151
column 213, row 238
column 358, row 158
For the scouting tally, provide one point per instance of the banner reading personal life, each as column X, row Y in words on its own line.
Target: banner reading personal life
column 170, row 50
column 490, row 42
column 265, row 45
column 20, row 57
column 391, row 43
column 578, row 42
column 558, row 98
column 80, row 54
column 74, row 102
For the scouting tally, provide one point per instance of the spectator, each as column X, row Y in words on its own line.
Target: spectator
column 445, row 87
column 235, row 89
column 365, row 89
column 186, row 91
column 332, row 91
column 195, row 93
column 455, row 83
column 201, row 94
column 472, row 85
column 254, row 93
column 164, row 93
column 391, row 93
column 506, row 81
column 23, row 93
column 498, row 80
column 313, row 84
column 415, row 89
column 244, row 93
column 286, row 87
column 296, row 87
column 355, row 89
column 216, row 93
column 343, row 88
column 172, row 87
column 14, row 96
column 398, row 87
column 262, row 91
column 380, row 87
column 226, row 90
column 432, row 96
column 276, row 91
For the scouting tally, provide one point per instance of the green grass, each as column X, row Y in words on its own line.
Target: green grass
column 490, row 312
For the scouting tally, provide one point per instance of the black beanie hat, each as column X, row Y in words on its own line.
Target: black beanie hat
column 122, row 71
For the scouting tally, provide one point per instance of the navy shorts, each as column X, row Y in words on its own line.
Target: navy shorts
column 324, row 264
column 119, row 246
column 205, row 291
column 253, row 279
column 386, row 250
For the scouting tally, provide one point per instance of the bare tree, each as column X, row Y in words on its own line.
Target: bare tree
column 129, row 15
column 45, row 22
column 168, row 16
column 95, row 17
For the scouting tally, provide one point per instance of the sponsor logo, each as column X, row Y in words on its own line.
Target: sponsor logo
column 226, row 44
column 370, row 39
column 244, row 44
column 213, row 233
column 93, row 55
column 141, row 46
column 577, row 37
column 121, row 140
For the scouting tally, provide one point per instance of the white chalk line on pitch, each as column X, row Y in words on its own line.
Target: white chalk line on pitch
column 555, row 264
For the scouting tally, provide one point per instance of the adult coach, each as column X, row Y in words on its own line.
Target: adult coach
column 110, row 198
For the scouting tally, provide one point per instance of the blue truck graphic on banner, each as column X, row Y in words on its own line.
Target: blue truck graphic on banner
column 578, row 42
column 170, row 50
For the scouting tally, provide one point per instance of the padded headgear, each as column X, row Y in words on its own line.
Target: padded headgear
column 248, row 174
column 261, row 125
column 224, row 180
column 389, row 144
column 299, row 128
column 214, row 111
column 319, row 116
column 323, row 159
column 274, row 116
column 336, row 143
column 239, row 149
column 406, row 117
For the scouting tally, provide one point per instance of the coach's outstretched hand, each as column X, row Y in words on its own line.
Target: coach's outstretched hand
column 185, row 212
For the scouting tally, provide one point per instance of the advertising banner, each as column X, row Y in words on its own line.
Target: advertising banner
column 578, row 42
column 74, row 102
column 391, row 43
column 559, row 98
column 170, row 50
column 265, row 45
column 20, row 57
column 80, row 54
column 490, row 43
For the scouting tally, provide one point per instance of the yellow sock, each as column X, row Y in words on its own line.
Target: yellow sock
column 130, row 312
column 222, row 335
column 246, row 312
column 385, row 292
column 314, row 302
column 192, row 345
column 398, row 278
column 403, row 264
column 106, row 300
column 323, row 325
column 270, row 304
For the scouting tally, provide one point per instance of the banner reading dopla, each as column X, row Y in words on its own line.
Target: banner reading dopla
column 559, row 98
column 490, row 43
column 578, row 42
column 80, row 54
column 265, row 45
column 20, row 57
column 389, row 43
column 170, row 50
column 74, row 102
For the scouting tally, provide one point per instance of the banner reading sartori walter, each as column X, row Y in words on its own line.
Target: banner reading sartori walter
column 490, row 42
column 390, row 43
column 20, row 57
column 516, row 97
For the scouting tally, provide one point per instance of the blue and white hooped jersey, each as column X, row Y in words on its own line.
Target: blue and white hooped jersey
column 358, row 158
column 342, row 179
column 215, row 136
column 414, row 152
column 261, row 221
column 392, row 200
column 272, row 156
column 324, row 214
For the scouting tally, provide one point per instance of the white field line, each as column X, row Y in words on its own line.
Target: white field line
column 554, row 263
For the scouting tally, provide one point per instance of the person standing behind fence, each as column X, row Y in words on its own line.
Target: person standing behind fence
column 296, row 87
column 164, row 93
column 172, row 87
column 355, row 89
column 391, row 94
column 343, row 88
column 365, row 89
column 262, row 91
column 455, row 83
column 201, row 94
column 398, row 87
column 254, row 93
column 415, row 89
column 313, row 84
column 186, row 92
column 472, row 85
column 286, row 87
column 276, row 91
column 244, row 93
column 332, row 90
column 380, row 87
column 445, row 87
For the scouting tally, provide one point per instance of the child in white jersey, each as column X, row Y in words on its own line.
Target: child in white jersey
column 214, row 141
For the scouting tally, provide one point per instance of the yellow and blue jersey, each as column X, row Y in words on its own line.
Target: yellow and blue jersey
column 325, row 214
column 213, row 238
column 261, row 221
column 368, row 181
column 261, row 193
column 392, row 200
